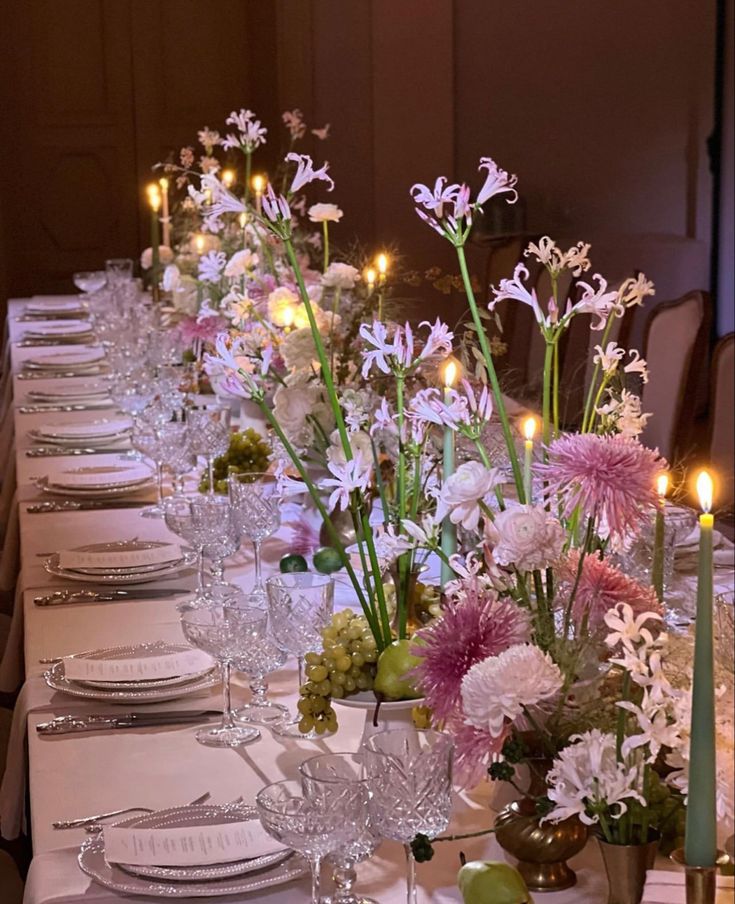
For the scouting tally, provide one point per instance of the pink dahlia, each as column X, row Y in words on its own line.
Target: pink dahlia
column 601, row 587
column 477, row 624
column 611, row 478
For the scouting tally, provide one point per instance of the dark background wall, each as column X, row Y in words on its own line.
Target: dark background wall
column 602, row 108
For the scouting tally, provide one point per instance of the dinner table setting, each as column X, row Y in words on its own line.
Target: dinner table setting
column 308, row 609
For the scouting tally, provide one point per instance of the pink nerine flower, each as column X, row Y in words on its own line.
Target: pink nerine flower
column 477, row 624
column 611, row 478
column 601, row 587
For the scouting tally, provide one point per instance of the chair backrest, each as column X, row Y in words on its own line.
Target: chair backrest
column 722, row 420
column 675, row 343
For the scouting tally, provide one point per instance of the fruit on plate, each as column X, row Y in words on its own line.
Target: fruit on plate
column 394, row 664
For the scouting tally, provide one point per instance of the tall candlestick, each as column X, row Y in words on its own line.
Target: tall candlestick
column 165, row 213
column 382, row 264
column 700, row 840
column 659, row 533
column 154, row 199
column 258, row 183
column 529, row 428
column 449, row 530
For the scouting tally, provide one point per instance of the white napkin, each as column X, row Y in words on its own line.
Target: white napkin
column 102, row 476
column 667, row 887
column 138, row 668
column 111, row 558
column 189, row 845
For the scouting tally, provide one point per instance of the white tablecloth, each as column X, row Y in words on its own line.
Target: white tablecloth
column 159, row 767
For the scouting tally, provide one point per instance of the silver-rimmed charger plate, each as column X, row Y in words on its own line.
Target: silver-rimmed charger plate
column 157, row 648
column 202, row 815
column 50, row 489
column 128, row 475
column 188, row 560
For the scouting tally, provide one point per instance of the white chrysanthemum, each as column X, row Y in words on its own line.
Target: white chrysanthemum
column 587, row 779
column 499, row 687
column 529, row 537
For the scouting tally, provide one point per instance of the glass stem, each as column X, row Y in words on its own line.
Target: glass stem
column 300, row 666
column 259, row 689
column 210, row 473
column 159, row 473
column 258, row 585
column 410, row 876
column 316, row 864
column 217, row 569
column 228, row 720
column 344, row 876
column 200, row 569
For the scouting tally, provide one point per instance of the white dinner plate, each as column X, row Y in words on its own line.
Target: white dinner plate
column 188, row 560
column 41, row 303
column 93, row 389
column 78, row 360
column 62, row 328
column 104, row 427
column 133, row 545
column 45, row 487
column 100, row 477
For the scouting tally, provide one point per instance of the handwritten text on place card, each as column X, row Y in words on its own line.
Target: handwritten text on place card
column 156, row 555
column 142, row 668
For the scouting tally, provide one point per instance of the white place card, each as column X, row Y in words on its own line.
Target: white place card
column 107, row 476
column 138, row 668
column 123, row 558
column 188, row 846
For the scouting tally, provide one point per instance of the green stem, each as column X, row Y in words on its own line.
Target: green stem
column 248, row 164
column 325, row 231
column 622, row 715
column 588, row 407
column 546, row 402
column 646, row 810
column 577, row 578
column 490, row 368
column 605, row 826
column 555, row 389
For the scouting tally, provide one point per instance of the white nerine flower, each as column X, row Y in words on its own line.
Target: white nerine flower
column 463, row 492
column 348, row 477
column 529, row 537
column 609, row 357
column 340, row 276
column 627, row 628
column 211, row 266
column 656, row 728
column 241, row 263
column 325, row 213
column 499, row 687
column 586, row 778
column 555, row 260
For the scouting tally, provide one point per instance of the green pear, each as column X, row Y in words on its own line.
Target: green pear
column 393, row 664
column 492, row 882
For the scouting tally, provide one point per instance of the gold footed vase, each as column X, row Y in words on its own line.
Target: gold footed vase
column 541, row 849
column 626, row 866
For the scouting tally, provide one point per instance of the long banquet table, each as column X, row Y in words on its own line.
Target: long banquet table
column 161, row 767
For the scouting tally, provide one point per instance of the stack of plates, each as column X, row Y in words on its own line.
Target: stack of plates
column 97, row 481
column 165, row 567
column 76, row 330
column 84, row 361
column 54, row 307
column 105, row 432
column 212, row 879
column 154, row 690
column 79, row 393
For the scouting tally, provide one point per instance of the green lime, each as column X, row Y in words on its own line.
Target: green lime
column 293, row 563
column 326, row 560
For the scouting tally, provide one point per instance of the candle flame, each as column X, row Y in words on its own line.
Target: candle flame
column 258, row 183
column 529, row 427
column 370, row 276
column 242, row 220
column 450, row 373
column 228, row 177
column 382, row 264
column 662, row 484
column 163, row 182
column 154, row 195
column 288, row 317
column 199, row 243
column 704, row 490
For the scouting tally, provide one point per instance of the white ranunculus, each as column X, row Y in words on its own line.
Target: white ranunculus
column 462, row 493
column 325, row 213
column 529, row 537
column 291, row 406
column 499, row 687
column 298, row 350
column 359, row 443
column 282, row 305
column 241, row 263
column 165, row 256
column 340, row 276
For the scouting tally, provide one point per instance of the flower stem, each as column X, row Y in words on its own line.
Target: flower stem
column 588, row 407
column 546, row 401
column 325, row 230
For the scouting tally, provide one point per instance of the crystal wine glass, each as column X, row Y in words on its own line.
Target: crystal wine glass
column 213, row 518
column 308, row 826
column 256, row 500
column 175, row 453
column 180, row 521
column 300, row 606
column 223, row 632
column 331, row 777
column 90, row 281
column 209, row 435
column 118, row 270
column 258, row 661
column 410, row 779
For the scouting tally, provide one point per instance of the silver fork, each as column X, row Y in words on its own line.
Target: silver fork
column 88, row 821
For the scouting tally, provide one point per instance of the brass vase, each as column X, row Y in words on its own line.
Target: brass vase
column 626, row 866
column 541, row 849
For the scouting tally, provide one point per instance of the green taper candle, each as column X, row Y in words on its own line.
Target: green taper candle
column 449, row 530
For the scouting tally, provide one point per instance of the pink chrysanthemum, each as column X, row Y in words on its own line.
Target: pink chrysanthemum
column 602, row 586
column 611, row 478
column 476, row 625
column 474, row 751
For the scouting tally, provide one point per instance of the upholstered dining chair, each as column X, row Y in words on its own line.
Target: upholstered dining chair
column 722, row 420
column 675, row 346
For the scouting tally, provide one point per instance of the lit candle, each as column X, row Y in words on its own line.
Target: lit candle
column 288, row 318
column 449, row 530
column 165, row 214
column 529, row 429
column 199, row 244
column 154, row 199
column 258, row 183
column 382, row 265
column 700, row 840
column 370, row 276
column 228, row 178
column 657, row 567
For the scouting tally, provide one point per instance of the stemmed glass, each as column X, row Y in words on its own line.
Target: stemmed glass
column 213, row 519
column 410, row 780
column 223, row 632
column 174, row 452
column 209, row 435
column 300, row 605
column 256, row 500
column 313, row 827
column 330, row 777
column 118, row 270
column 256, row 662
column 90, row 281
column 180, row 521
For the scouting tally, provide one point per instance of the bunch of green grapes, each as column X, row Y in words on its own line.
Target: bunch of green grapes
column 346, row 665
column 248, row 452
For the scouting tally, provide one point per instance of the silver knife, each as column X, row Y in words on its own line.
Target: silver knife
column 40, row 409
column 38, row 508
column 71, row 724
column 107, row 595
column 56, row 451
